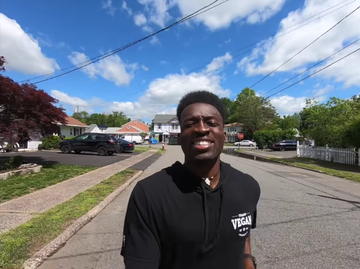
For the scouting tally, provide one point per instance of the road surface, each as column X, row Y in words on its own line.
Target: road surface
column 305, row 220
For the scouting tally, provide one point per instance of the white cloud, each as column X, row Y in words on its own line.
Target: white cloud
column 264, row 59
column 145, row 68
column 287, row 104
column 22, row 51
column 111, row 68
column 255, row 11
column 218, row 63
column 155, row 41
column 162, row 95
column 140, row 19
column 125, row 7
column 164, row 62
column 109, row 7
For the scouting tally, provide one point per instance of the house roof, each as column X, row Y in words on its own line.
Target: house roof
column 70, row 121
column 129, row 129
column 137, row 124
column 164, row 118
column 234, row 124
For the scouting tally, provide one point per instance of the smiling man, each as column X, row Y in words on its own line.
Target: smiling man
column 196, row 215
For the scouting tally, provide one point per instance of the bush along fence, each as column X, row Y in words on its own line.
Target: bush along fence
column 337, row 155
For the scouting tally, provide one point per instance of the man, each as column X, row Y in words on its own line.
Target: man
column 195, row 215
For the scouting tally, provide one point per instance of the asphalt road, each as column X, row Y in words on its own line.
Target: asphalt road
column 56, row 157
column 305, row 220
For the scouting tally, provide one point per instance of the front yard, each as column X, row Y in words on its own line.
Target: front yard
column 22, row 242
column 17, row 186
column 350, row 172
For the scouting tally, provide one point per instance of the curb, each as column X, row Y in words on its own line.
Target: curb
column 263, row 159
column 39, row 257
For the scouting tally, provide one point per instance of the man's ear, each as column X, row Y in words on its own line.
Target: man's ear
column 224, row 137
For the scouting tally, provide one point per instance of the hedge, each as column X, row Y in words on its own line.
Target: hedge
column 266, row 137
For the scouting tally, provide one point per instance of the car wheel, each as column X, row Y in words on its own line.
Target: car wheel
column 77, row 151
column 110, row 153
column 282, row 148
column 102, row 151
column 134, row 142
column 121, row 149
column 66, row 149
column 251, row 145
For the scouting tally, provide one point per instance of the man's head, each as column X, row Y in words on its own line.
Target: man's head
column 201, row 115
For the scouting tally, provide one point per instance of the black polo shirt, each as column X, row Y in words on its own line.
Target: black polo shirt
column 174, row 220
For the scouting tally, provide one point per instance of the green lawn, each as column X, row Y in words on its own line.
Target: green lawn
column 350, row 172
column 24, row 241
column 17, row 186
column 161, row 151
column 141, row 149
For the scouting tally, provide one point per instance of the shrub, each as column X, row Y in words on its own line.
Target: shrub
column 14, row 162
column 265, row 137
column 67, row 138
column 51, row 142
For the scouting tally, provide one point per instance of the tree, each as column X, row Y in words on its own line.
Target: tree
column 116, row 119
column 254, row 112
column 288, row 122
column 327, row 123
column 229, row 107
column 24, row 109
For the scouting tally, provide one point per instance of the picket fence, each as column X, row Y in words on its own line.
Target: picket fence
column 337, row 155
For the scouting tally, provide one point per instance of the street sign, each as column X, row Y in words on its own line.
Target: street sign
column 241, row 136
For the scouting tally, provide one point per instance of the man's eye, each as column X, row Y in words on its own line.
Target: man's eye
column 213, row 124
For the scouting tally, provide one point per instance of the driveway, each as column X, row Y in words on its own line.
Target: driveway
column 53, row 157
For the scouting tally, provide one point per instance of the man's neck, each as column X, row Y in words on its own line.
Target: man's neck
column 205, row 169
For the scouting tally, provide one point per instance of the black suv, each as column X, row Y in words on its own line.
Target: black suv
column 103, row 144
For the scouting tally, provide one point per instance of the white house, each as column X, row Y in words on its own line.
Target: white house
column 166, row 128
column 232, row 130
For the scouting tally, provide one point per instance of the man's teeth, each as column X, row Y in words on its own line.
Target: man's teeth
column 202, row 143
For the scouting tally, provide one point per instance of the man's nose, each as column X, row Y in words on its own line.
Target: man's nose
column 201, row 127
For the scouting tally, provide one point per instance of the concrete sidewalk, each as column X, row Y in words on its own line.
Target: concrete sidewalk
column 17, row 211
column 97, row 244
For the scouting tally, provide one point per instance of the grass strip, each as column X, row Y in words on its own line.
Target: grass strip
column 353, row 176
column 161, row 151
column 19, row 244
column 20, row 185
column 141, row 149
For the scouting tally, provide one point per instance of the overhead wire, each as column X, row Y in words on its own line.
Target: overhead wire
column 314, row 73
column 299, row 52
column 252, row 44
column 309, row 68
column 101, row 57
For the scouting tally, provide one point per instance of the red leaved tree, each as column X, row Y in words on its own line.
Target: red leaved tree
column 25, row 110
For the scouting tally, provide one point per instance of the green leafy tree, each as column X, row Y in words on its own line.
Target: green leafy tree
column 254, row 112
column 288, row 122
column 116, row 119
column 229, row 107
column 327, row 123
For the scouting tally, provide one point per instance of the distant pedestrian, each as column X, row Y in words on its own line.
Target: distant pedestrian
column 196, row 215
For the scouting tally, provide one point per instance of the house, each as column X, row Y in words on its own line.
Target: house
column 166, row 128
column 232, row 130
column 132, row 131
column 73, row 127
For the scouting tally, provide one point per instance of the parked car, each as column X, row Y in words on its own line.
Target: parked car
column 103, row 144
column 125, row 145
column 284, row 145
column 245, row 143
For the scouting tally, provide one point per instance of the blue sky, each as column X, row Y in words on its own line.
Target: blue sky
column 204, row 53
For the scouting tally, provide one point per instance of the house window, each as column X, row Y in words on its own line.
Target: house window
column 71, row 131
column 159, row 125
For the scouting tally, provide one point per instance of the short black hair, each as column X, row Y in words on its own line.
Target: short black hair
column 204, row 97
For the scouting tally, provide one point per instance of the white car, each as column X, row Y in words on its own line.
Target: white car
column 245, row 143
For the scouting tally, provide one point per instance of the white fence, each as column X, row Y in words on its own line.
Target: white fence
column 337, row 155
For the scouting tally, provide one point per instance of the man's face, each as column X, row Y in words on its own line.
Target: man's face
column 202, row 135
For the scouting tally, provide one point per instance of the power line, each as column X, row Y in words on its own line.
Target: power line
column 312, row 74
column 251, row 45
column 352, row 43
column 247, row 46
column 336, row 24
column 101, row 57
